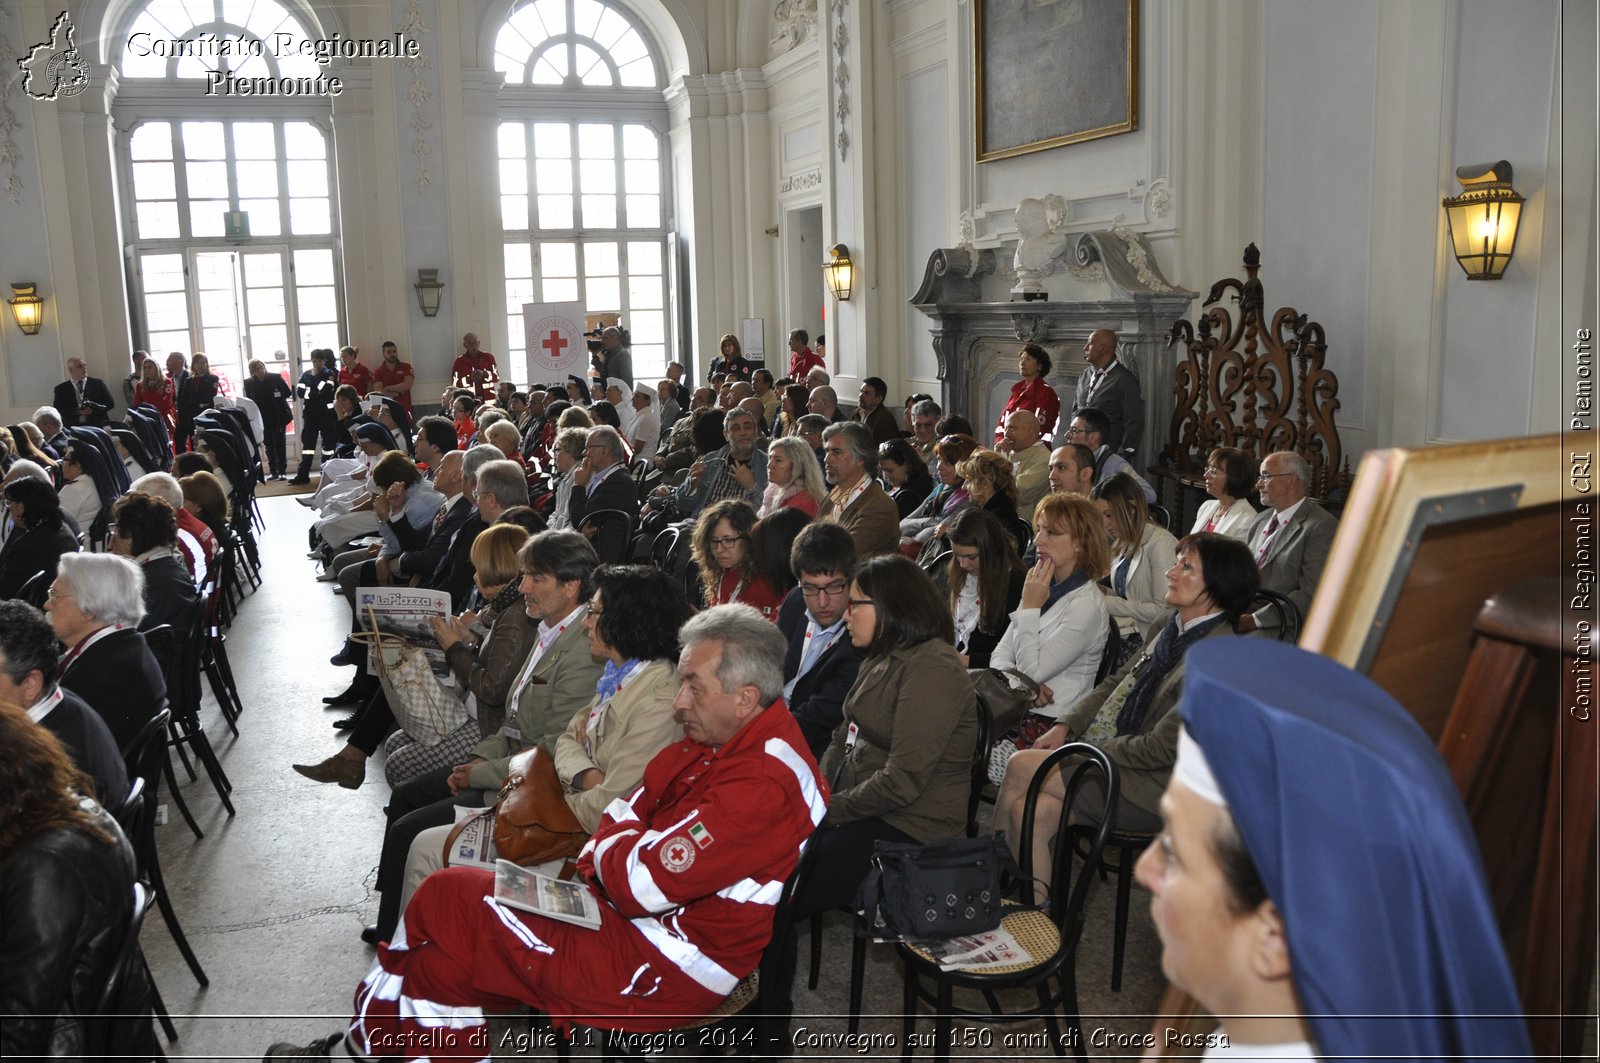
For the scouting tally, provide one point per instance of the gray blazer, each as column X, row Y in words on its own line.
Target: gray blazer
column 1295, row 556
column 1119, row 399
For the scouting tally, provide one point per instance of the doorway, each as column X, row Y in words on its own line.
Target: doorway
column 803, row 296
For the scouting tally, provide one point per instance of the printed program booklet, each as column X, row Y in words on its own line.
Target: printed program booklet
column 994, row 948
column 570, row 902
column 474, row 846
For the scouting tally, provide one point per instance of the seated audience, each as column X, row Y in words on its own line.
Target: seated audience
column 821, row 664
column 1129, row 716
column 204, row 497
column 871, row 411
column 1290, row 538
column 771, row 543
column 555, row 681
column 721, row 551
column 742, row 751
column 602, row 482
column 1229, row 477
column 866, row 511
column 1141, row 553
column 791, row 408
column 95, row 606
column 810, row 428
column 901, row 760
column 824, row 402
column 1323, row 910
column 992, row 488
column 924, row 430
column 632, row 622
column 29, row 444
column 80, row 497
column 1058, row 634
column 985, row 580
column 1072, row 469
column 1029, row 455
column 1091, row 427
column 52, row 439
column 949, row 495
column 737, row 470
column 147, row 532
column 905, row 475
column 40, row 538
column 196, row 541
column 794, row 479
column 29, row 667
column 66, row 892
column 135, row 455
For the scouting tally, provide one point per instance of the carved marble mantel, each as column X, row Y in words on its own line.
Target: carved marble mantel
column 976, row 342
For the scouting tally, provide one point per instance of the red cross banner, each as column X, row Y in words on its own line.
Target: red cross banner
column 555, row 343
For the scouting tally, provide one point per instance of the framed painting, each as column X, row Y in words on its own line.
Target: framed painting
column 1053, row 72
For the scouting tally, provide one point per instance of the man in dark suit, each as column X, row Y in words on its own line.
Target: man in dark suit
column 28, row 678
column 1113, row 389
column 1290, row 538
column 81, row 398
column 821, row 664
column 601, row 481
column 878, row 418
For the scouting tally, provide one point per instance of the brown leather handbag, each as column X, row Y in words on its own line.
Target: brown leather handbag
column 532, row 823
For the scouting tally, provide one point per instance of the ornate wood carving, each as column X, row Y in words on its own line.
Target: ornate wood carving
column 1259, row 386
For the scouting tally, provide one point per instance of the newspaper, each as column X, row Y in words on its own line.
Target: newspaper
column 405, row 611
column 994, row 948
column 474, row 846
column 570, row 902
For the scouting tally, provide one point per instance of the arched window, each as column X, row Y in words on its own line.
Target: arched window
column 582, row 160
column 195, row 180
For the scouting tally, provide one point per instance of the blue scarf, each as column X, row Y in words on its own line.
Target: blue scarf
column 1061, row 589
column 611, row 679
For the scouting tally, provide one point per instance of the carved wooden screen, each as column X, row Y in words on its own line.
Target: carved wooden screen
column 1242, row 382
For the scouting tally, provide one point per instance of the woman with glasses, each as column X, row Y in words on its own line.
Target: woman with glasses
column 721, row 551
column 900, row 763
column 1141, row 553
column 1032, row 392
column 905, row 475
column 39, row 538
column 949, row 495
column 985, row 579
column 1230, row 475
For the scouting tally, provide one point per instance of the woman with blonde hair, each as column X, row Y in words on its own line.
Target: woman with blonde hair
column 794, row 479
column 992, row 486
column 195, row 396
column 155, row 389
column 730, row 360
column 1058, row 632
column 721, row 550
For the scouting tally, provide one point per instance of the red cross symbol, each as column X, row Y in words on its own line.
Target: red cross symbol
column 554, row 344
column 677, row 852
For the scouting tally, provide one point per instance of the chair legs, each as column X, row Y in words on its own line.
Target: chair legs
column 158, row 1005
column 195, row 736
column 816, row 951
column 858, row 976
column 177, row 795
column 1125, row 857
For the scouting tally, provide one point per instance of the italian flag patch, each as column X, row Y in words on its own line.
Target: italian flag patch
column 701, row 836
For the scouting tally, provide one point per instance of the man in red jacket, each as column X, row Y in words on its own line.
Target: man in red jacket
column 686, row 877
column 802, row 359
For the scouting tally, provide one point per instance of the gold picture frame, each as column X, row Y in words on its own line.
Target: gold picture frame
column 1061, row 58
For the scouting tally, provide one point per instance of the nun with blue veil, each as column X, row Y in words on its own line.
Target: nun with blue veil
column 1316, row 884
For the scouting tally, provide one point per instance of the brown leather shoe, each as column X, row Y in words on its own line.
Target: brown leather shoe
column 342, row 770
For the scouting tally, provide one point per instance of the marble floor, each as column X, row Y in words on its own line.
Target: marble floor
column 273, row 898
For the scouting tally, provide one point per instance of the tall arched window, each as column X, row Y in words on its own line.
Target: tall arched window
column 583, row 202
column 197, row 175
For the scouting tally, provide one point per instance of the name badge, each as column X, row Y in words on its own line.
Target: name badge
column 512, row 734
column 850, row 735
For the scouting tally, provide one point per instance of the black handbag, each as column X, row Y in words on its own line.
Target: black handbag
column 934, row 891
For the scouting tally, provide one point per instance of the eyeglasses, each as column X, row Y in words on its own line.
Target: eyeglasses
column 859, row 603
column 54, row 594
column 730, row 540
column 1270, row 475
column 1074, row 430
column 594, row 446
column 831, row 590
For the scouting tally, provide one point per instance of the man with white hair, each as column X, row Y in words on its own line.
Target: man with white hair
column 48, row 421
column 81, row 398
column 1290, row 538
column 196, row 541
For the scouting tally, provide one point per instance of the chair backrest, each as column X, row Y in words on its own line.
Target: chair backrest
column 100, row 1027
column 1285, row 611
column 980, row 765
column 129, row 816
column 1078, row 762
column 599, row 518
column 34, row 589
column 1113, row 650
column 772, row 958
column 1161, row 516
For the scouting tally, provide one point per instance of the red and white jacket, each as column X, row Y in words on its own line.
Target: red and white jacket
column 697, row 856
